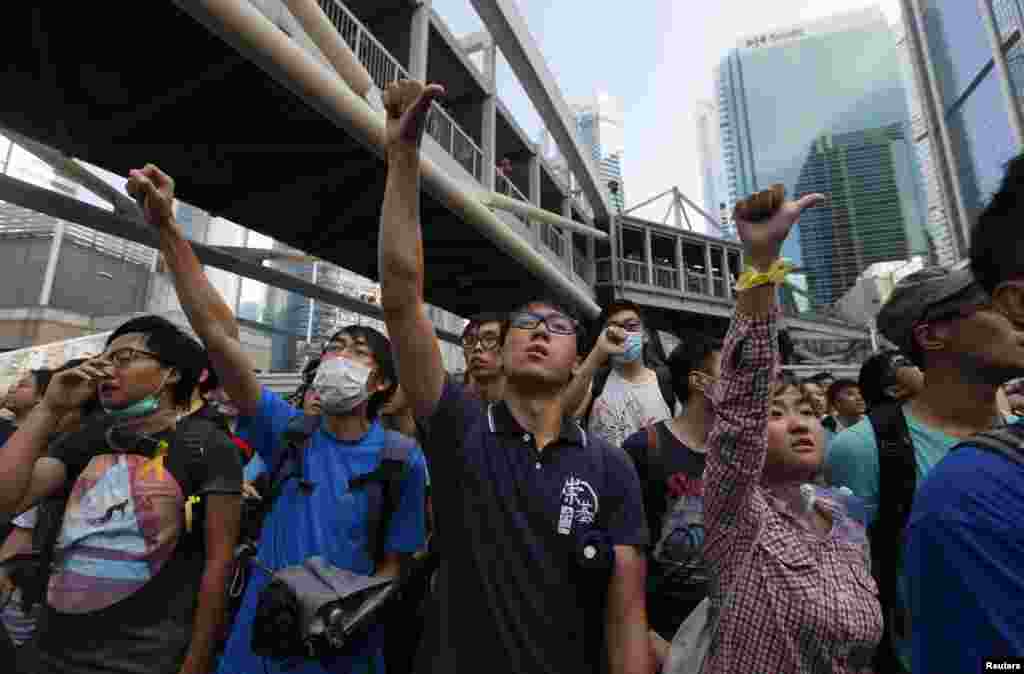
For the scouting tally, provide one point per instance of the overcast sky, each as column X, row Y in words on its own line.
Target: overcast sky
column 657, row 56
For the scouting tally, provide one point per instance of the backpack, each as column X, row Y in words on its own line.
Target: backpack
column 664, row 385
column 191, row 436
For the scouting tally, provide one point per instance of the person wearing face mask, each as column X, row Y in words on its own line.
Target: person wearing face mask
column 628, row 395
column 128, row 564
column 670, row 457
column 318, row 514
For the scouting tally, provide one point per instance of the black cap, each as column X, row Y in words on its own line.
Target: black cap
column 924, row 296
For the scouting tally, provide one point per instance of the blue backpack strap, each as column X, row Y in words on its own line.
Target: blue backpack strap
column 383, row 488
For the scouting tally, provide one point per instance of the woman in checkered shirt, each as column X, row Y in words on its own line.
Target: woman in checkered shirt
column 791, row 586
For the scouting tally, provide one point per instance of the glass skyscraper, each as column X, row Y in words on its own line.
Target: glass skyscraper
column 599, row 129
column 791, row 104
column 973, row 106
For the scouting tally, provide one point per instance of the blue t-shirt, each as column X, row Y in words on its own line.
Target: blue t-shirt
column 965, row 543
column 852, row 461
column 331, row 521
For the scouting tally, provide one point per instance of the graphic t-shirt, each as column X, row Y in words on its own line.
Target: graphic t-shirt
column 123, row 591
column 625, row 407
column 674, row 501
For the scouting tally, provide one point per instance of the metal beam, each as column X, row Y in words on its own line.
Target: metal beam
column 134, row 229
column 510, row 33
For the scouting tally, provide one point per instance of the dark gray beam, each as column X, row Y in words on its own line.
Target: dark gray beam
column 67, row 208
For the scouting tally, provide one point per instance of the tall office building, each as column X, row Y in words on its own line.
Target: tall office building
column 782, row 91
column 941, row 238
column 970, row 94
column 864, row 221
column 599, row 127
column 709, row 157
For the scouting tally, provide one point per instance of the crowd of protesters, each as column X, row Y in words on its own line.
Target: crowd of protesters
column 556, row 509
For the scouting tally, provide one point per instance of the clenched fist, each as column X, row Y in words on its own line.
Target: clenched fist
column 764, row 220
column 407, row 103
column 154, row 191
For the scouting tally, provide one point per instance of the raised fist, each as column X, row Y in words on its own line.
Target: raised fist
column 154, row 191
column 764, row 220
column 407, row 103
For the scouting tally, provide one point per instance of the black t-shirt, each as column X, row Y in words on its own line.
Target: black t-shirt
column 674, row 500
column 511, row 595
column 124, row 589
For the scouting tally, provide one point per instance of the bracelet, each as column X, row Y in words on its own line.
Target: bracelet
column 751, row 278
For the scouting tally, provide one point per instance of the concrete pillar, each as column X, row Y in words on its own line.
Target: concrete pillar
column 709, row 289
column 490, row 114
column 591, row 262
column 419, row 37
column 648, row 256
column 570, row 249
column 51, row 265
column 680, row 265
column 534, row 167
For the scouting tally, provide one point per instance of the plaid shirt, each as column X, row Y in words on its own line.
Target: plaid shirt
column 788, row 600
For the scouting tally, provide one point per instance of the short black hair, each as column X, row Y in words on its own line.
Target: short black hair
column 615, row 306
column 690, row 355
column 837, row 388
column 997, row 245
column 561, row 307
column 381, row 348
column 92, row 404
column 173, row 347
column 42, row 378
column 476, row 320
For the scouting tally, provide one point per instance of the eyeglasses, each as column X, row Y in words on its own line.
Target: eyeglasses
column 486, row 342
column 122, row 358
column 634, row 325
column 556, row 323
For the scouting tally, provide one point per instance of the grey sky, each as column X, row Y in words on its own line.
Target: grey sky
column 656, row 56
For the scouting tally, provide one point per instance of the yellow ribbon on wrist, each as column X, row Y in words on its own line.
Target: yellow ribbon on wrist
column 751, row 278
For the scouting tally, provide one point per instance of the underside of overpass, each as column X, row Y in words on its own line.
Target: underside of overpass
column 238, row 143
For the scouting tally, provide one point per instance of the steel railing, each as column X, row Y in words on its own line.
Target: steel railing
column 503, row 185
column 385, row 69
column 454, row 140
column 633, row 272
column 666, row 277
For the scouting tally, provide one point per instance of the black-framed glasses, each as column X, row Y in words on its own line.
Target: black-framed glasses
column 122, row 358
column 632, row 325
column 899, row 361
column 556, row 323
column 486, row 342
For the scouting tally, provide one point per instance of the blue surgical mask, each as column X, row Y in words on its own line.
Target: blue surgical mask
column 634, row 349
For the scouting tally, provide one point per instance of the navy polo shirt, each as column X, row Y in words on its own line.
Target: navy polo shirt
column 512, row 595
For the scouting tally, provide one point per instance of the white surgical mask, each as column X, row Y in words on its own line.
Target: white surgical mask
column 341, row 384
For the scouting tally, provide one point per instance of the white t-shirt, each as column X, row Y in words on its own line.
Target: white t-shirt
column 624, row 408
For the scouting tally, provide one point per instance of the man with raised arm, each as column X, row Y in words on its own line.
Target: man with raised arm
column 542, row 545
column 332, row 518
